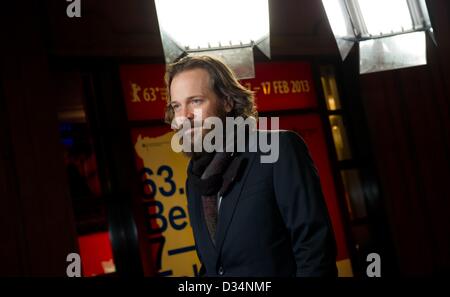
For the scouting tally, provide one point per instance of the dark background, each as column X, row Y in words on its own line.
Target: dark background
column 401, row 124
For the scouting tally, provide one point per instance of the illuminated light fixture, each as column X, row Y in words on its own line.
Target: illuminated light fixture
column 225, row 28
column 390, row 33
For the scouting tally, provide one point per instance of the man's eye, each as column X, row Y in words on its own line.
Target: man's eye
column 175, row 107
column 197, row 101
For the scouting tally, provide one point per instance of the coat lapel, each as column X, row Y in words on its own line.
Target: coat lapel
column 200, row 222
column 229, row 202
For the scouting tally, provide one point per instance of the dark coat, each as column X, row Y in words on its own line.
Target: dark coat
column 273, row 220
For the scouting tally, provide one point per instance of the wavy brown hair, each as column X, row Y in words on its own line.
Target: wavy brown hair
column 222, row 80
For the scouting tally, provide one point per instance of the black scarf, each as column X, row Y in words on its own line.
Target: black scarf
column 208, row 176
column 207, row 170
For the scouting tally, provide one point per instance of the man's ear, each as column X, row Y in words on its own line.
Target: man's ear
column 228, row 104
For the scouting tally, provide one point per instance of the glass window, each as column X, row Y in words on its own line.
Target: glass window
column 340, row 137
column 330, row 89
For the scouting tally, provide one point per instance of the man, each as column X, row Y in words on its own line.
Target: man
column 249, row 218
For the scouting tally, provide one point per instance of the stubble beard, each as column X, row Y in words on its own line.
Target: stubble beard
column 220, row 113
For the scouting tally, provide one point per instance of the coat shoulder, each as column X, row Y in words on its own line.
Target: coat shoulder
column 285, row 138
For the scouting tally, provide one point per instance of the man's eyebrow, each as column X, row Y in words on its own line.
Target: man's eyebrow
column 194, row 96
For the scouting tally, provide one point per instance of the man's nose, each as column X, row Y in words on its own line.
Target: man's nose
column 187, row 113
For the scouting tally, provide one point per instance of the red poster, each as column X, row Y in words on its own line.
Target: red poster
column 144, row 91
column 96, row 254
column 277, row 86
column 282, row 86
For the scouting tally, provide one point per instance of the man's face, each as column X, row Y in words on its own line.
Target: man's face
column 193, row 99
